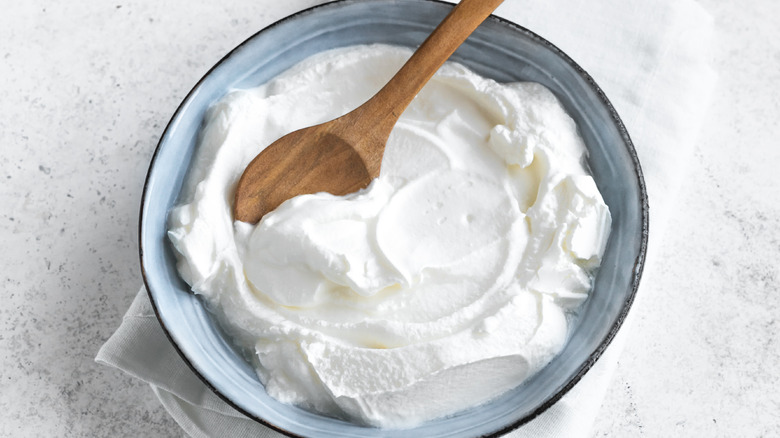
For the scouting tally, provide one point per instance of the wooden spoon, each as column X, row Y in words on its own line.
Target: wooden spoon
column 345, row 154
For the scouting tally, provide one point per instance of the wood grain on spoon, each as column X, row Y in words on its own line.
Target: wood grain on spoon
column 345, row 154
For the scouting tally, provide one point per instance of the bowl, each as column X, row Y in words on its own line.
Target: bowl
column 498, row 49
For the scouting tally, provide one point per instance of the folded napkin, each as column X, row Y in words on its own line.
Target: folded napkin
column 649, row 57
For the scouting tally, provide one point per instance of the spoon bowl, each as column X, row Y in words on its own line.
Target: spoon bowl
column 309, row 160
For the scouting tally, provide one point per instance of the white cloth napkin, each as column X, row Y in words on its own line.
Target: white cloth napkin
column 651, row 59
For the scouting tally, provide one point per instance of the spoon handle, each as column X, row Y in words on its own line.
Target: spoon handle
column 388, row 104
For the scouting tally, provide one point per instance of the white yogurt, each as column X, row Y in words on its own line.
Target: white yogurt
column 442, row 285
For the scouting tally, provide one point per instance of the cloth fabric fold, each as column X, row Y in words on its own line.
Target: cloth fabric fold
column 651, row 59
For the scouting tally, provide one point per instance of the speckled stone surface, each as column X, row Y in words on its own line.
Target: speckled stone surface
column 704, row 353
column 85, row 90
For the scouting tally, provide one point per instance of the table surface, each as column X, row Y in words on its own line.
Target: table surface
column 86, row 89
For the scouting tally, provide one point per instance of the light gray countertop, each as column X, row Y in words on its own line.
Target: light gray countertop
column 86, row 88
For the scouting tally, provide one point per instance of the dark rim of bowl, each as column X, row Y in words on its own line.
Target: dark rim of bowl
column 638, row 263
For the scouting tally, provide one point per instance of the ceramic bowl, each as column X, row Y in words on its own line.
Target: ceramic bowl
column 498, row 49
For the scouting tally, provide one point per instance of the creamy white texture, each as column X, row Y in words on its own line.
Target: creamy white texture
column 442, row 285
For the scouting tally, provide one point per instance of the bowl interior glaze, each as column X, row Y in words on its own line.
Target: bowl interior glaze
column 498, row 49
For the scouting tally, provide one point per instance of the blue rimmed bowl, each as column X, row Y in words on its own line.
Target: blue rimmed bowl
column 498, row 49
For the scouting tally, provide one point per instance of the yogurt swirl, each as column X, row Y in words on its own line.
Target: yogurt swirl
column 442, row 285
